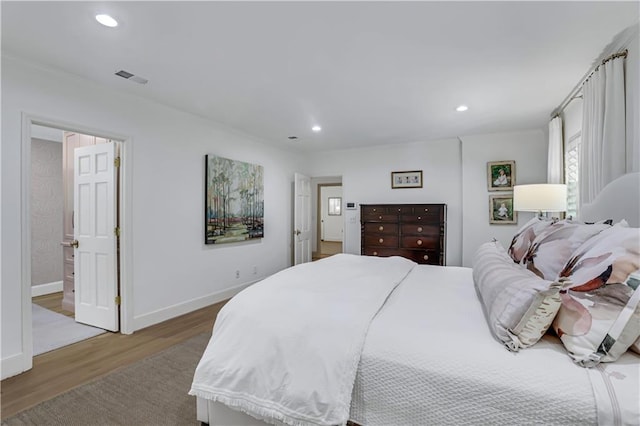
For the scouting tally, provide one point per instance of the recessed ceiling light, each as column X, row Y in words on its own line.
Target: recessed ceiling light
column 316, row 128
column 107, row 20
column 462, row 108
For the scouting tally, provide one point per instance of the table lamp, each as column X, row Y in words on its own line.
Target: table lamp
column 540, row 197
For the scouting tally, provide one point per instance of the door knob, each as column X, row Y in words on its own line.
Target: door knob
column 297, row 232
column 74, row 243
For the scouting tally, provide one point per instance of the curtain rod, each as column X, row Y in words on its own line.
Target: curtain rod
column 574, row 92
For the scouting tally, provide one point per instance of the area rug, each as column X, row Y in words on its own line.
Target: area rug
column 152, row 391
column 52, row 330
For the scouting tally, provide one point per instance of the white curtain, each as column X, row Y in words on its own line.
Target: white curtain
column 603, row 151
column 555, row 158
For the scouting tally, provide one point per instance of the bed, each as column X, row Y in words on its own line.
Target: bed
column 388, row 342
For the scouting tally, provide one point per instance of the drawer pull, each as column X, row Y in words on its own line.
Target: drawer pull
column 381, row 240
column 419, row 217
column 426, row 210
column 381, row 228
column 399, row 210
column 375, row 253
column 425, row 257
column 419, row 242
column 380, row 217
column 375, row 210
column 419, row 228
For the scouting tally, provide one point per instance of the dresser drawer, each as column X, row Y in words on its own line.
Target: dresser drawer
column 68, row 271
column 380, row 217
column 380, row 228
column 381, row 252
column 420, row 218
column 381, row 241
column 428, row 257
column 401, row 209
column 421, row 242
column 68, row 254
column 421, row 230
column 370, row 210
column 431, row 257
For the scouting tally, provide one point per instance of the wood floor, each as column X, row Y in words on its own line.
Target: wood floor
column 327, row 248
column 58, row 371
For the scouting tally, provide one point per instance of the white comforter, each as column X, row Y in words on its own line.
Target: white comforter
column 258, row 363
column 430, row 359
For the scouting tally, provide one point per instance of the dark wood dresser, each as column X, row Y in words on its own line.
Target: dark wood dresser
column 414, row 231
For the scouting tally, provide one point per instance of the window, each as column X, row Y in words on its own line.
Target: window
column 335, row 206
column 571, row 175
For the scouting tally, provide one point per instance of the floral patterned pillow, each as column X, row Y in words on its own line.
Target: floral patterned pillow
column 525, row 236
column 599, row 317
column 554, row 245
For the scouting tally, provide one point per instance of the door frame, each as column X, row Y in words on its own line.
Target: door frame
column 125, row 204
column 319, row 215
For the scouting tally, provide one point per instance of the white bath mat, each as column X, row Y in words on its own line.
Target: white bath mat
column 52, row 330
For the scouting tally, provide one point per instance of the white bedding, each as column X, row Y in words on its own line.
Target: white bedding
column 430, row 358
column 260, row 363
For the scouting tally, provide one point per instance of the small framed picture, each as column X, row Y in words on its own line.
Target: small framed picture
column 501, row 175
column 411, row 179
column 501, row 210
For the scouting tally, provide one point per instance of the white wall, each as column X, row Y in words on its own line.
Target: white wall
column 528, row 149
column 366, row 178
column 172, row 268
column 454, row 173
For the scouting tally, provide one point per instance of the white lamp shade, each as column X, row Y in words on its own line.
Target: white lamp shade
column 543, row 197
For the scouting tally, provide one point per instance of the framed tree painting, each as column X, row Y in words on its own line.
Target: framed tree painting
column 501, row 210
column 234, row 200
column 501, row 175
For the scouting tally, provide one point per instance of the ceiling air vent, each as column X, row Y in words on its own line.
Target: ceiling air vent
column 132, row 77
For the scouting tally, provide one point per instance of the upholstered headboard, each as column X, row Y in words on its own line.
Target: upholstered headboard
column 618, row 200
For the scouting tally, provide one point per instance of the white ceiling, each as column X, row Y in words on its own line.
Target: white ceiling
column 368, row 72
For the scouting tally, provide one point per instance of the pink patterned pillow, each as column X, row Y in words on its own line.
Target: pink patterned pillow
column 599, row 317
column 524, row 237
column 554, row 245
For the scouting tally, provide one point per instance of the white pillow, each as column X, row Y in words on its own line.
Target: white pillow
column 518, row 304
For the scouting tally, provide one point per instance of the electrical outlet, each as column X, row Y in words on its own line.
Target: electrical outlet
column 237, row 274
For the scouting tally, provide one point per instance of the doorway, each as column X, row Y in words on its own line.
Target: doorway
column 330, row 220
column 49, row 294
column 66, row 204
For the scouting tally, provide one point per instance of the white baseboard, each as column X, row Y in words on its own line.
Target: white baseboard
column 42, row 289
column 170, row 312
column 12, row 366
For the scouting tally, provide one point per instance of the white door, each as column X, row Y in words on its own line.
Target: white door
column 302, row 219
column 95, row 266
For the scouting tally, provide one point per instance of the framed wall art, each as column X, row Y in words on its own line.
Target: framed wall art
column 501, row 210
column 234, row 200
column 412, row 179
column 501, row 175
